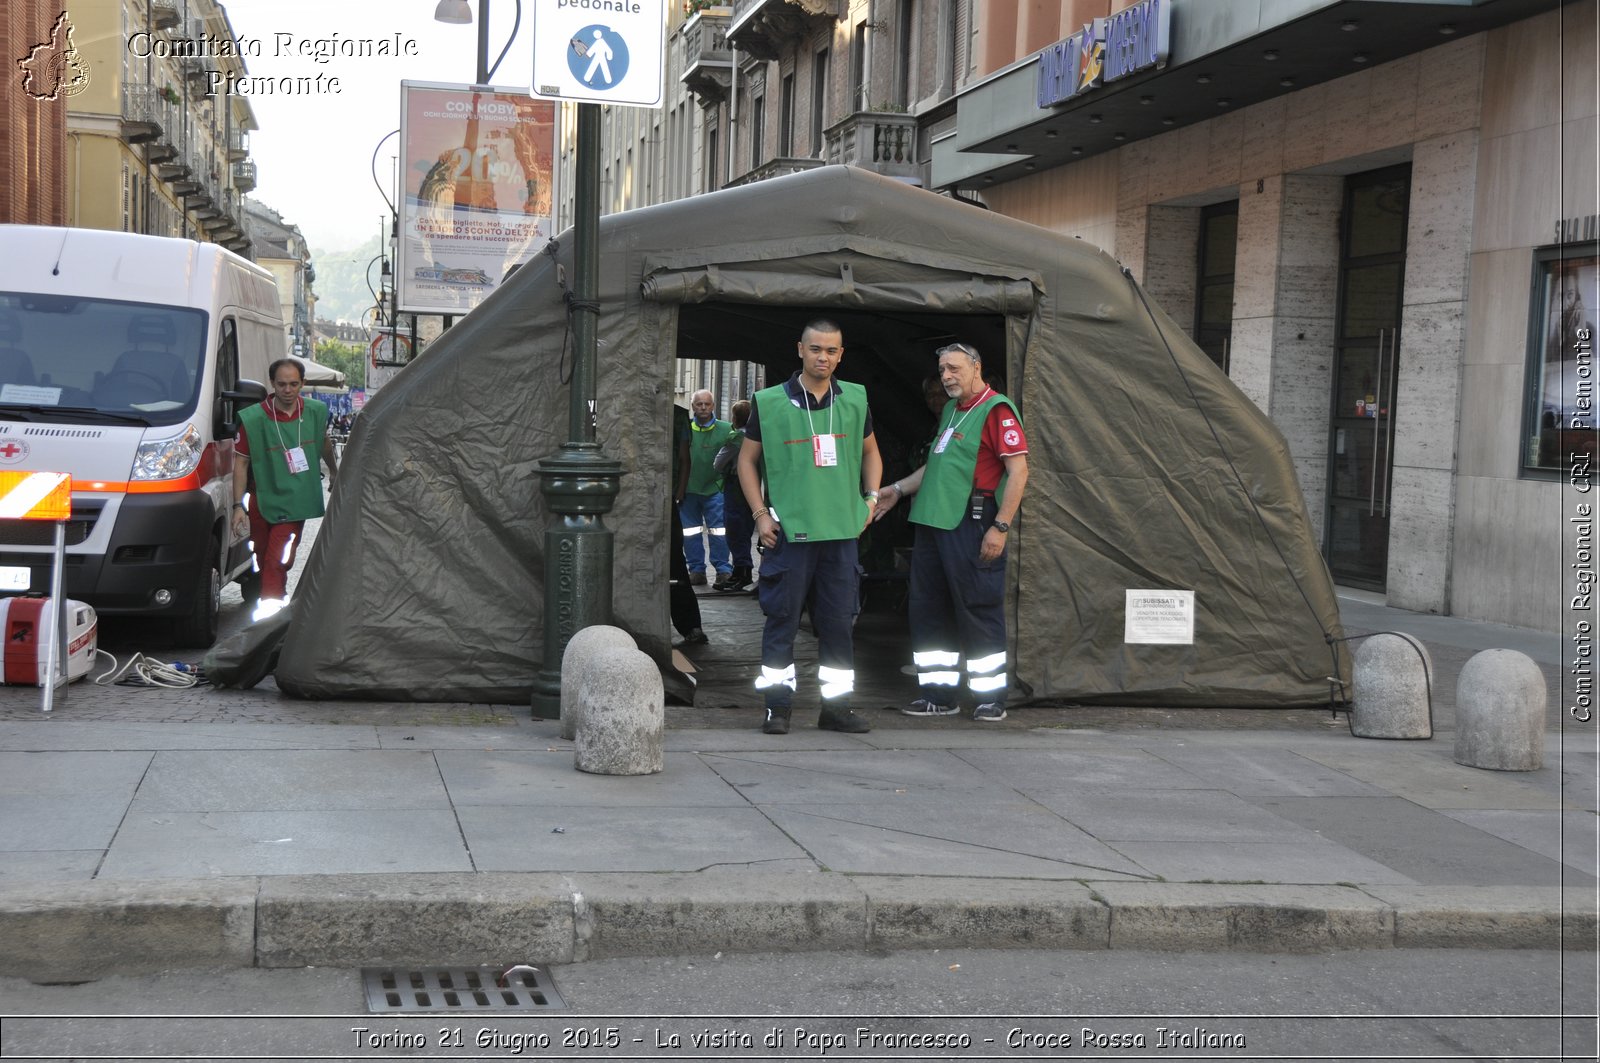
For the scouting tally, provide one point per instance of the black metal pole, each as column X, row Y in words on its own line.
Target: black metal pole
column 483, row 43
column 579, row 483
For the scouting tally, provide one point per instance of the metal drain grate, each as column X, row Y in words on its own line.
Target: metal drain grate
column 457, row 989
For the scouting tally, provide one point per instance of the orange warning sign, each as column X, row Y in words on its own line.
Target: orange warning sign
column 35, row 495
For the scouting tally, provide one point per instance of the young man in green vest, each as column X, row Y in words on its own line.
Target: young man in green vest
column 281, row 441
column 967, row 496
column 822, row 470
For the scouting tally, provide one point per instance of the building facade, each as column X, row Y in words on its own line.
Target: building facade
column 279, row 246
column 33, row 111
column 149, row 148
column 1380, row 219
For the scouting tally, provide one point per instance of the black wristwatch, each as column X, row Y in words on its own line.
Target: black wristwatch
column 1002, row 525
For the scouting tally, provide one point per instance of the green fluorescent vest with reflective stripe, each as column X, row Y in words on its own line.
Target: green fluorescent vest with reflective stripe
column 283, row 496
column 814, row 504
column 941, row 501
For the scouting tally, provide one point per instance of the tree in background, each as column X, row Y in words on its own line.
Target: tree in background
column 348, row 358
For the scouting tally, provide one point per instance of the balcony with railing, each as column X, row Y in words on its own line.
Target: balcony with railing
column 238, row 145
column 762, row 28
column 164, row 13
column 145, row 114
column 244, row 175
column 779, row 167
column 707, row 61
column 883, row 142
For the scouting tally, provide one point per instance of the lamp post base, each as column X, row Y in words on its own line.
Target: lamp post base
column 579, row 485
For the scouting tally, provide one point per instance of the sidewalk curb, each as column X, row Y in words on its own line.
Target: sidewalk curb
column 84, row 931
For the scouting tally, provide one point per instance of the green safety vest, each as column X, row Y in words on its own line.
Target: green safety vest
column 703, row 446
column 941, row 501
column 280, row 495
column 814, row 504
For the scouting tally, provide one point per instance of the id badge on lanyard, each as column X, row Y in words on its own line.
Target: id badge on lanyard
column 295, row 457
column 824, row 451
column 944, row 440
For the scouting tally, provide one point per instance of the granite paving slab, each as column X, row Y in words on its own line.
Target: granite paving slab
column 1283, row 862
column 1559, row 835
column 360, row 841
column 1428, row 846
column 544, row 779
column 1267, row 771
column 596, row 838
column 768, row 778
column 269, row 780
column 949, row 835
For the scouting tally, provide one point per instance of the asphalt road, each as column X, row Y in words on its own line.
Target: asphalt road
column 1024, row 1004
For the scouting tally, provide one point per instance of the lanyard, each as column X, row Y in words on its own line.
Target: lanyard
column 975, row 404
column 298, row 420
column 809, row 399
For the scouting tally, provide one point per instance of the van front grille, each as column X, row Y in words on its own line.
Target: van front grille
column 43, row 532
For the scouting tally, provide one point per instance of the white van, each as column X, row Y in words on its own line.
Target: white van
column 123, row 361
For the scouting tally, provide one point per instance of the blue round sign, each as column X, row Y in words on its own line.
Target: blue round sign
column 598, row 57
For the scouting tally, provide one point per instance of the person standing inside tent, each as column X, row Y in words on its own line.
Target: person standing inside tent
column 701, row 508
column 684, row 607
column 967, row 497
column 279, row 444
column 822, row 472
column 736, row 515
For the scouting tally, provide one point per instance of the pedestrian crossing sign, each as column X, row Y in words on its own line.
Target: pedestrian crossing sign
column 600, row 51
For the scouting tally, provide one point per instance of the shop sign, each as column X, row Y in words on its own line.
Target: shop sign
column 1582, row 229
column 1106, row 50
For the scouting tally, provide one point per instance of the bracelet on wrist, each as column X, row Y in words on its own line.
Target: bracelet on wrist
column 758, row 514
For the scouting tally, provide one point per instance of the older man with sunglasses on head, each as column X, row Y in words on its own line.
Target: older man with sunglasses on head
column 967, row 497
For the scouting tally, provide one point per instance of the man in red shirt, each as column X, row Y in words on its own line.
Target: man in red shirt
column 968, row 495
column 281, row 441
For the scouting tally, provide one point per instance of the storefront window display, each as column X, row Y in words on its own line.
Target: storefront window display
column 1561, row 368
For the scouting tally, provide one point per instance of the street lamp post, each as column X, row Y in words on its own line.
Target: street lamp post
column 579, row 482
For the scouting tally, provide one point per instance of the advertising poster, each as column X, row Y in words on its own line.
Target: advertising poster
column 476, row 169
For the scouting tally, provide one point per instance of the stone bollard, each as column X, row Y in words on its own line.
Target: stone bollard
column 1390, row 684
column 583, row 645
column 1500, row 708
column 621, row 713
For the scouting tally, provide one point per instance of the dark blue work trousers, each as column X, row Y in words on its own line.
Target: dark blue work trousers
column 826, row 576
column 957, row 602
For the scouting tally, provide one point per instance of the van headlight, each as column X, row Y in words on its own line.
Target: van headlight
column 168, row 459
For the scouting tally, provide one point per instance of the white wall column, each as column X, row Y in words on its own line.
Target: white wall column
column 1433, row 338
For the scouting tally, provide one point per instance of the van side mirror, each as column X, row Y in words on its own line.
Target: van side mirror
column 244, row 393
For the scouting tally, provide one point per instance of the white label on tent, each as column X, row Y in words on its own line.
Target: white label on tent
column 1161, row 618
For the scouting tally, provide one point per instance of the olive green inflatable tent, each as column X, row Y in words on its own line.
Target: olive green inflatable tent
column 1150, row 470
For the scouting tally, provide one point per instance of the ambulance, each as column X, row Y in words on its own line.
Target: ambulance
column 124, row 360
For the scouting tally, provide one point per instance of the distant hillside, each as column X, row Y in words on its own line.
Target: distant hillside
column 341, row 284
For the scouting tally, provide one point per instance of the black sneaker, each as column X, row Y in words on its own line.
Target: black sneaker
column 693, row 638
column 846, row 720
column 777, row 722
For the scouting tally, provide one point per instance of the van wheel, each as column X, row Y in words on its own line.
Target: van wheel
column 199, row 628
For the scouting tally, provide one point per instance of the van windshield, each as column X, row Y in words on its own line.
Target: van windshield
column 74, row 358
